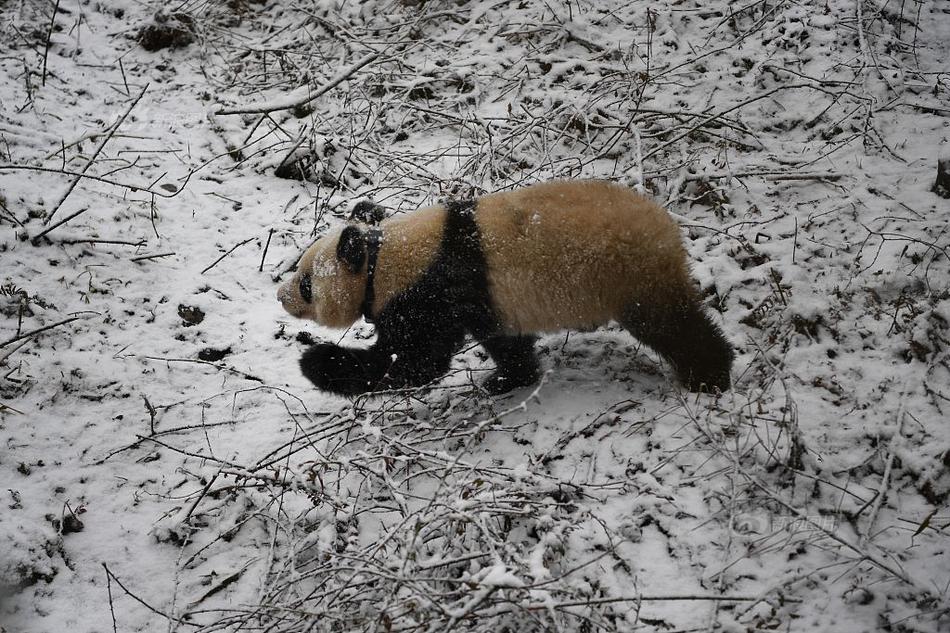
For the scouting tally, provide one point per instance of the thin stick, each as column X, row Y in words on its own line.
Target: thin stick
column 339, row 78
column 200, row 497
column 892, row 449
column 49, row 35
column 151, row 414
column 142, row 258
column 7, row 354
column 33, row 333
column 766, row 173
column 35, row 240
column 125, row 81
column 9, row 214
column 198, row 361
column 717, row 115
column 874, row 560
column 139, row 600
column 96, row 241
column 115, row 626
column 6, row 407
column 80, row 175
column 233, row 248
column 105, row 139
column 270, row 234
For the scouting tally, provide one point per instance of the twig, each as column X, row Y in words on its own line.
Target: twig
column 142, row 258
column 140, row 601
column 6, row 407
column 162, row 433
column 115, row 626
column 892, row 449
column 7, row 213
column 878, row 562
column 81, row 174
column 295, row 102
column 125, row 81
column 137, row 244
column 35, row 240
column 270, row 234
column 233, row 248
column 198, row 361
column 33, row 333
column 49, row 35
column 767, row 173
column 716, row 115
column 151, row 414
column 204, row 491
column 5, row 355
column 95, row 154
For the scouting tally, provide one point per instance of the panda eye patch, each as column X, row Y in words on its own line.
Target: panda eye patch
column 306, row 290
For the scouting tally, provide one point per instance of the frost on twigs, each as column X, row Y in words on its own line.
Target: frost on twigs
column 390, row 517
column 794, row 144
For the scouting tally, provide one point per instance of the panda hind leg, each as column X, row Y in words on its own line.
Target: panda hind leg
column 515, row 360
column 687, row 338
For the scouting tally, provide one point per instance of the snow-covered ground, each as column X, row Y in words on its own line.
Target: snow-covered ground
column 165, row 466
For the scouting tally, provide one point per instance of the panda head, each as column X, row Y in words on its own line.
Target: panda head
column 330, row 281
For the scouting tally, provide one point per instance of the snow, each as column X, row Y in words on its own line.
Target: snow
column 499, row 576
column 147, row 487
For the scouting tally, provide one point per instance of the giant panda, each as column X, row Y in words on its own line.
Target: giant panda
column 503, row 269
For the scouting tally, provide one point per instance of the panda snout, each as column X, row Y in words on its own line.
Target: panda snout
column 286, row 296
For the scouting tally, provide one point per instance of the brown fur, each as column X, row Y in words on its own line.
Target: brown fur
column 576, row 254
column 409, row 245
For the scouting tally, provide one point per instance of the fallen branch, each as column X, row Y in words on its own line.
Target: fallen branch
column 893, row 449
column 137, row 244
column 718, row 115
column 296, row 101
column 198, row 361
column 7, row 354
column 270, row 234
column 105, row 139
column 233, row 248
column 35, row 240
column 765, row 173
column 33, row 333
column 114, row 183
column 49, row 36
column 142, row 602
column 142, row 258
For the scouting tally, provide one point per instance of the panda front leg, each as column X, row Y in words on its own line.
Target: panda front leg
column 515, row 361
column 344, row 370
column 402, row 357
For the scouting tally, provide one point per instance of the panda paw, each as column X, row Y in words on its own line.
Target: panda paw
column 340, row 370
column 502, row 382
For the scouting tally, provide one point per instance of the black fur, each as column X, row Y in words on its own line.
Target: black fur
column 368, row 212
column 516, row 361
column 373, row 240
column 420, row 329
column 306, row 288
column 686, row 337
column 351, row 249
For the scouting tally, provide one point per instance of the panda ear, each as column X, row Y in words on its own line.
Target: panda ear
column 352, row 249
column 368, row 212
